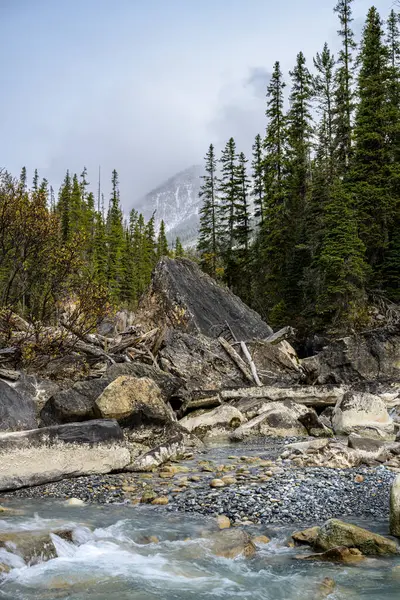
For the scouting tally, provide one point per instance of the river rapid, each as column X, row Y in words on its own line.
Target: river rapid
column 110, row 557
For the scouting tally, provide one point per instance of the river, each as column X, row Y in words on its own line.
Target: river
column 109, row 560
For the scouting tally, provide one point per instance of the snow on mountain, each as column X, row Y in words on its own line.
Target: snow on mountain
column 177, row 203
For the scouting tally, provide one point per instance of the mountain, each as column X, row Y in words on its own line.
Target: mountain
column 177, row 203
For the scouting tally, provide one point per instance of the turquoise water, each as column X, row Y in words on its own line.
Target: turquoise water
column 108, row 560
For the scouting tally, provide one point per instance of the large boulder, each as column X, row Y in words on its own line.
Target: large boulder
column 372, row 355
column 133, row 402
column 33, row 546
column 363, row 412
column 52, row 453
column 230, row 543
column 338, row 533
column 217, row 423
column 199, row 361
column 395, row 507
column 78, row 402
column 183, row 297
column 17, row 411
column 277, row 419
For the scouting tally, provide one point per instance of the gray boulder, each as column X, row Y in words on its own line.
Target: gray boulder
column 183, row 297
column 363, row 413
column 78, row 403
column 17, row 411
column 395, row 508
column 53, row 453
column 372, row 355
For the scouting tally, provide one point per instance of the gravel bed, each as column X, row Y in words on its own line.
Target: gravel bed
column 291, row 495
column 297, row 495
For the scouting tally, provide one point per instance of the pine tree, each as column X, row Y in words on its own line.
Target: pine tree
column 100, row 249
column 23, row 178
column 270, row 245
column 64, row 206
column 208, row 232
column 341, row 265
column 76, row 212
column 344, row 96
column 370, row 164
column 179, row 251
column 258, row 172
column 298, row 181
column 162, row 244
column 242, row 233
column 324, row 64
column 35, row 183
column 115, row 239
column 229, row 191
column 391, row 267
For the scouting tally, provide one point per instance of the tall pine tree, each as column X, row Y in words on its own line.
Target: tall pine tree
column 208, row 232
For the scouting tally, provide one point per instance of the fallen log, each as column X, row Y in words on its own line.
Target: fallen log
column 251, row 363
column 313, row 396
column 239, row 362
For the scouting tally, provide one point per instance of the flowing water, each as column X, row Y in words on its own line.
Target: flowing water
column 108, row 560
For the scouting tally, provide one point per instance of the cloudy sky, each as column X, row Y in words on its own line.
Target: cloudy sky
column 144, row 86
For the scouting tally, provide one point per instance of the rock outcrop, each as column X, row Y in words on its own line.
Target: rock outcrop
column 17, row 411
column 217, row 423
column 133, row 402
column 335, row 533
column 78, row 403
column 275, row 419
column 363, row 413
column 52, row 453
column 373, row 355
column 184, row 298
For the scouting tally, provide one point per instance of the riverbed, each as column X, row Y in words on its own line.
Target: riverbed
column 147, row 553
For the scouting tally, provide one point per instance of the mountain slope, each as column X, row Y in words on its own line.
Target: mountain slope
column 177, row 203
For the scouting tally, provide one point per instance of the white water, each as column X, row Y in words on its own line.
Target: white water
column 108, row 561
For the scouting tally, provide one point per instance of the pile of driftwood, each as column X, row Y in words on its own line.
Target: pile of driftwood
column 20, row 341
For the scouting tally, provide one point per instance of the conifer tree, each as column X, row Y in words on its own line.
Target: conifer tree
column 179, row 251
column 76, row 212
column 270, row 247
column 35, row 183
column 298, row 180
column 370, row 163
column 229, row 192
column 344, row 96
column 22, row 178
column 341, row 265
column 162, row 244
column 208, row 231
column 64, row 206
column 242, row 233
column 100, row 249
column 324, row 64
column 258, row 172
column 115, row 238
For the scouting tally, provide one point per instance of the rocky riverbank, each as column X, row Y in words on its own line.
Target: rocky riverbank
column 256, row 486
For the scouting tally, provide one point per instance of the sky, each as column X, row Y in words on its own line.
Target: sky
column 144, row 86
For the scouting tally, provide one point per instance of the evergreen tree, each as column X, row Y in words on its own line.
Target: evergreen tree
column 22, row 178
column 270, row 245
column 298, row 181
column 208, row 232
column 179, row 251
column 324, row 64
column 230, row 192
column 64, row 206
column 341, row 266
column 162, row 244
column 344, row 96
column 258, row 171
column 370, row 164
column 100, row 249
column 35, row 183
column 242, row 233
column 76, row 212
column 115, row 239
